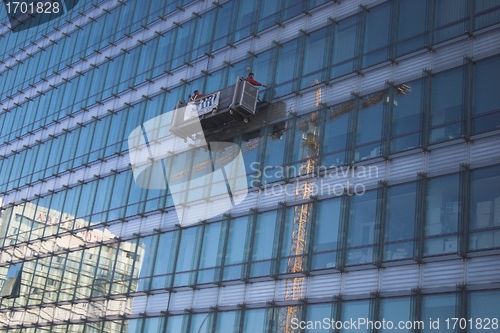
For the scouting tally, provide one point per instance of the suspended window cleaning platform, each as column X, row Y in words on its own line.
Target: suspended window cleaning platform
column 236, row 103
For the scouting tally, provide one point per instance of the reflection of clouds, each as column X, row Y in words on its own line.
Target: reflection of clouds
column 205, row 179
column 68, row 266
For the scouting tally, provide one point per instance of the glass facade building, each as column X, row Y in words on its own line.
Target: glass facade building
column 373, row 168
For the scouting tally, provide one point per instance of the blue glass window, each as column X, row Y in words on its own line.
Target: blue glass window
column 361, row 229
column 446, row 106
column 406, row 122
column 442, row 209
column 400, row 222
column 369, row 126
column 484, row 228
column 326, row 234
column 486, row 96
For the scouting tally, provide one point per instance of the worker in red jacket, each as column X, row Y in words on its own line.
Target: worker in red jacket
column 252, row 81
column 196, row 95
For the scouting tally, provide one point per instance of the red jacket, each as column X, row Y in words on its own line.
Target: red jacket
column 196, row 96
column 254, row 82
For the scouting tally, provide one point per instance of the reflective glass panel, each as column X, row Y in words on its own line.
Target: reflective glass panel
column 442, row 209
column 484, row 228
column 263, row 244
column 446, row 105
column 406, row 116
column 486, row 96
column 361, row 229
column 400, row 223
column 483, row 309
column 436, row 309
column 326, row 228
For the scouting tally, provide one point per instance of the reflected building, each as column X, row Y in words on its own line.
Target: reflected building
column 56, row 268
column 372, row 168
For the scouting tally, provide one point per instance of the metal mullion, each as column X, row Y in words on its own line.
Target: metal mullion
column 351, row 132
column 250, row 237
column 198, row 248
column 271, row 74
column 281, row 220
column 291, row 126
column 261, row 152
column 461, row 302
column 222, row 250
column 467, row 95
column 299, row 64
column 380, row 224
column 322, row 119
column 416, row 307
column 420, row 217
column 426, row 112
column 176, row 243
column 387, row 112
column 431, row 12
column 343, row 230
column 310, row 232
column 470, row 13
column 374, row 306
column 360, row 38
column 394, row 33
column 464, row 218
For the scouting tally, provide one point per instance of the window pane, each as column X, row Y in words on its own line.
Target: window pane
column 209, row 252
column 400, row 224
column 200, row 323
column 375, row 47
column 353, row 310
column 344, row 47
column 235, row 252
column 275, row 153
column 485, row 209
column 486, row 96
column 245, row 19
column 395, row 310
column 437, row 307
column 269, row 13
column 174, row 324
column 449, row 19
column 406, row 117
column 487, row 13
column 484, row 305
column 446, row 106
column 163, row 260
column 254, row 321
column 335, row 136
column 317, row 314
column 411, row 26
column 286, row 67
column 226, row 322
column 326, row 228
column 263, row 244
column 315, row 54
column 441, row 223
column 369, row 127
column 261, row 66
column 185, row 256
column 361, row 229
column 153, row 325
